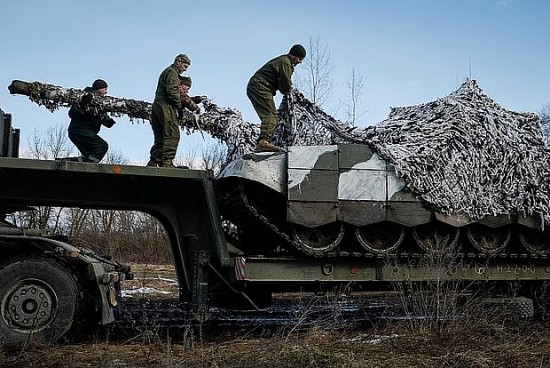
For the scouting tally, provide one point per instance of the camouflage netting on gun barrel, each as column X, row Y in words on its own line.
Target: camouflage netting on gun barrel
column 224, row 124
column 461, row 154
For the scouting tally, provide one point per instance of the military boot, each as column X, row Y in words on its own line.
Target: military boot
column 265, row 146
column 170, row 164
column 153, row 163
column 167, row 163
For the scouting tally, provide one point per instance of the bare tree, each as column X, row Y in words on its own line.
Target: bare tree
column 314, row 78
column 213, row 157
column 76, row 218
column 115, row 157
column 48, row 144
column 53, row 143
column 356, row 89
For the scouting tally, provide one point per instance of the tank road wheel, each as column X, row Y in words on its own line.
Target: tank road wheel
column 381, row 238
column 488, row 239
column 535, row 241
column 38, row 302
column 318, row 240
column 436, row 237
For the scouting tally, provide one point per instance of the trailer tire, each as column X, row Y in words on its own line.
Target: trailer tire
column 39, row 300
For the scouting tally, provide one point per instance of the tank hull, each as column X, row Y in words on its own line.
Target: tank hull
column 319, row 197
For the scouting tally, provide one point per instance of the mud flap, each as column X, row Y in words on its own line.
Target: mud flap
column 199, row 300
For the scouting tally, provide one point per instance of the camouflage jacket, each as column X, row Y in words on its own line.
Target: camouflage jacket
column 168, row 87
column 275, row 74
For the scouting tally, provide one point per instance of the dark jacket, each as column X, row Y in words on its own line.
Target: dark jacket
column 275, row 75
column 83, row 115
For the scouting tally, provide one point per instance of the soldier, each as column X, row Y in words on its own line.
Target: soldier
column 263, row 85
column 190, row 117
column 191, row 103
column 166, row 111
column 86, row 123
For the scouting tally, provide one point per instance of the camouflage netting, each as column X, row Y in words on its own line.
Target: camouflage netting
column 305, row 124
column 461, row 154
column 53, row 97
column 465, row 154
column 224, row 124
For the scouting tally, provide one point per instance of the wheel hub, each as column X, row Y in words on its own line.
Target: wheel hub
column 29, row 307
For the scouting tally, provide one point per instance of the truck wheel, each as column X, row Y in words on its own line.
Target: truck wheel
column 38, row 301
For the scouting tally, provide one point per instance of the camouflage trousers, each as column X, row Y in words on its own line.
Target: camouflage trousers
column 262, row 101
column 166, row 132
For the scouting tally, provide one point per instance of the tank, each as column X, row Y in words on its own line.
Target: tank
column 458, row 174
column 346, row 200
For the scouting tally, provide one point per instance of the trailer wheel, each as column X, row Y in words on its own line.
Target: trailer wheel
column 38, row 301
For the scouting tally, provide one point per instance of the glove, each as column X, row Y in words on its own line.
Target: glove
column 179, row 113
column 109, row 123
column 199, row 99
column 198, row 110
column 86, row 99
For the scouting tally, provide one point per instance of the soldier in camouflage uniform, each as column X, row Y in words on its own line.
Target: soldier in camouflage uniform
column 274, row 76
column 166, row 110
column 86, row 123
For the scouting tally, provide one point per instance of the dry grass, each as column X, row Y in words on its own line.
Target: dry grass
column 478, row 341
column 480, row 346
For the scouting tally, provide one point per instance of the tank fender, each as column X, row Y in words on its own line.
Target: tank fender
column 268, row 169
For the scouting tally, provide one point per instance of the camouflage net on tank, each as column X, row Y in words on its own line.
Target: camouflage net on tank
column 461, row 154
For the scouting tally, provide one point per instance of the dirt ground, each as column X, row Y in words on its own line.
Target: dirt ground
column 479, row 342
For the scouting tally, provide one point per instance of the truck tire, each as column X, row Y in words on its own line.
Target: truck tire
column 38, row 301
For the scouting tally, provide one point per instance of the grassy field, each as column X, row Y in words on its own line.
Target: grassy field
column 393, row 345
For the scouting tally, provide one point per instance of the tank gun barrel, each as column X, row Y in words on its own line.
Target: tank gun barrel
column 53, row 97
column 224, row 124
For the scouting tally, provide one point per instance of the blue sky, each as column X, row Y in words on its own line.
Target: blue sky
column 408, row 51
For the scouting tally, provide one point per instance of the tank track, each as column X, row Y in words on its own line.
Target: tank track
column 238, row 201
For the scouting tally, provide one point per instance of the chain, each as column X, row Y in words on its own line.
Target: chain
column 287, row 239
column 253, row 213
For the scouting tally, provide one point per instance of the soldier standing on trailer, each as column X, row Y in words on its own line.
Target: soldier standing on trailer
column 166, row 111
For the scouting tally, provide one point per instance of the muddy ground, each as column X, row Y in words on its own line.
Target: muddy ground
column 484, row 341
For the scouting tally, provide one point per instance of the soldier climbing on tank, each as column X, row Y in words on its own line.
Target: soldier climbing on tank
column 274, row 76
column 86, row 123
column 166, row 110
